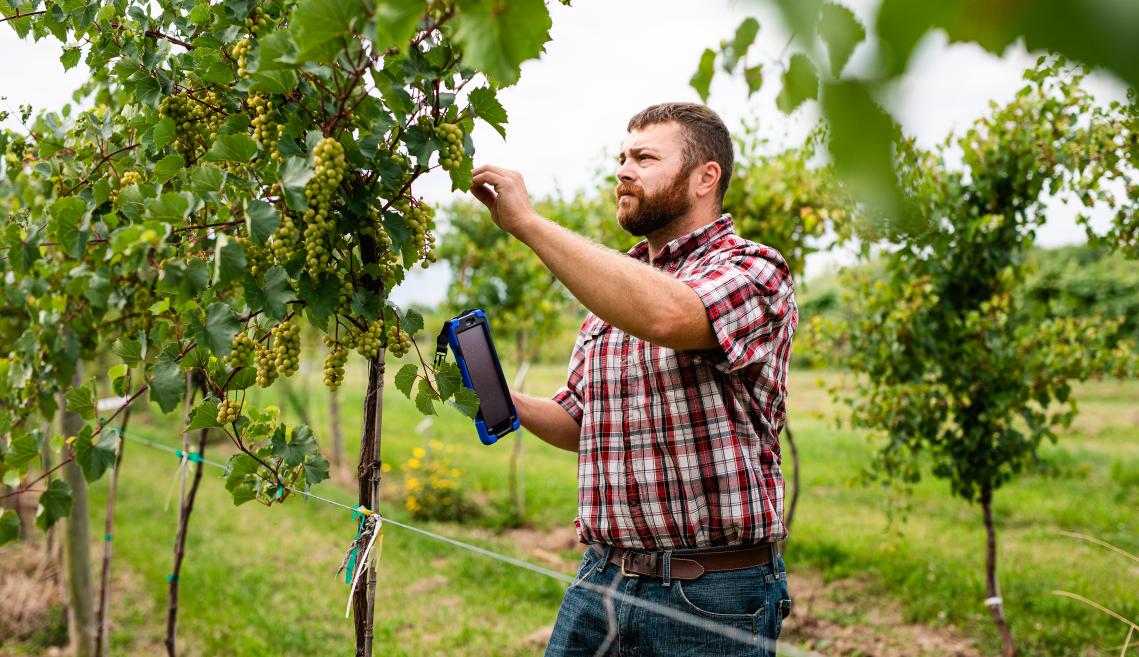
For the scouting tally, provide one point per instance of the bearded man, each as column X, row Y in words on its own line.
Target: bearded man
column 674, row 402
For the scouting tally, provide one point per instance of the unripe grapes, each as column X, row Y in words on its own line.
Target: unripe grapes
column 334, row 363
column 257, row 21
column 266, row 130
column 287, row 347
column 284, row 243
column 266, row 366
column 240, row 51
column 399, row 342
column 369, row 342
column 257, row 258
column 451, row 152
column 228, row 411
column 241, row 347
column 330, row 168
column 128, row 178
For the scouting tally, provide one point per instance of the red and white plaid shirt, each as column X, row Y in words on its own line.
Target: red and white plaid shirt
column 680, row 449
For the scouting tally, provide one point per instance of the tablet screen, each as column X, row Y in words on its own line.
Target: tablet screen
column 481, row 365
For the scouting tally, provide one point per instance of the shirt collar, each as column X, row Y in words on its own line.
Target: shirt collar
column 681, row 247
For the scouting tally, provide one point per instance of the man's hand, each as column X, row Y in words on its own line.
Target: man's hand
column 504, row 193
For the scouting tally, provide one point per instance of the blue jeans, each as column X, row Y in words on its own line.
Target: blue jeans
column 750, row 604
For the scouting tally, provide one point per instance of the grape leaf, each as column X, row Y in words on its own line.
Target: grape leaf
column 295, row 174
column 842, row 32
column 204, row 416
column 449, row 379
column 395, row 22
column 22, row 450
column 220, row 327
column 485, row 104
column 81, row 401
column 262, row 220
column 320, row 27
column 496, row 37
column 800, row 84
column 168, row 386
column 167, row 168
column 96, row 454
column 702, row 80
column 129, row 350
column 467, row 402
column 232, row 148
column 274, row 297
column 231, row 262
column 423, row 401
column 405, row 378
column 55, row 504
column 9, row 526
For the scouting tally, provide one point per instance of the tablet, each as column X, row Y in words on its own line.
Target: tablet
column 470, row 340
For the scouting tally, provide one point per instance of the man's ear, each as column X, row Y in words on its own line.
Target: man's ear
column 707, row 178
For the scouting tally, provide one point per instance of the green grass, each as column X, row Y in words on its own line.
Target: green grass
column 260, row 581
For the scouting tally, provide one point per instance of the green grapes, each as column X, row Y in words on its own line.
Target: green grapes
column 418, row 216
column 344, row 297
column 284, row 243
column 399, row 342
column 266, row 130
column 368, row 342
column 241, row 348
column 266, row 366
column 334, row 363
column 257, row 21
column 451, row 154
column 196, row 120
column 128, row 178
column 240, row 52
column 287, row 347
column 228, row 411
column 257, row 258
column 331, row 167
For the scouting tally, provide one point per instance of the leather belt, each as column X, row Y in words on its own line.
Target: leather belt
column 686, row 565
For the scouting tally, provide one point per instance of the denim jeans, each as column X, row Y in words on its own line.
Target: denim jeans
column 752, row 602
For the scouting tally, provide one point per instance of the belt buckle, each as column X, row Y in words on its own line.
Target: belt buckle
column 625, row 571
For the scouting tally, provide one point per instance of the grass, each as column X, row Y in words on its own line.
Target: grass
column 261, row 581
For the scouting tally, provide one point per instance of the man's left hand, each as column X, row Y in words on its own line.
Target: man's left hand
column 504, row 193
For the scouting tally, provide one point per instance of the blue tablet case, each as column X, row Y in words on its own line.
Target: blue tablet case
column 450, row 329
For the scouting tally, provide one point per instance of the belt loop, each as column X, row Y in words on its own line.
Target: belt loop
column 774, row 560
column 604, row 559
column 666, row 575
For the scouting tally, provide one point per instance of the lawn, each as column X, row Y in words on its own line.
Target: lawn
column 261, row 581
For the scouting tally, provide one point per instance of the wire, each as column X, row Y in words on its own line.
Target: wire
column 606, row 592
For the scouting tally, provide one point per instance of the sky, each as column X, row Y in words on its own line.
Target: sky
column 609, row 59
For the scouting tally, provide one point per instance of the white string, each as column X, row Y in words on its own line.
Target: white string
column 361, row 564
column 173, row 483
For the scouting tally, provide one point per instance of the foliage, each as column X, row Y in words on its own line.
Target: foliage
column 242, row 167
column 949, row 363
column 862, row 136
column 432, row 486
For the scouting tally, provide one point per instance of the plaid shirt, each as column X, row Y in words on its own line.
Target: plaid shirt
column 680, row 449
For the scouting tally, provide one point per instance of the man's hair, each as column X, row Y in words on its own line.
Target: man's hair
column 706, row 138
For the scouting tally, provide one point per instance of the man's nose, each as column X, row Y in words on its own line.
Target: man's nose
column 625, row 172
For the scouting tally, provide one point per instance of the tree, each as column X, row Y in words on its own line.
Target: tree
column 861, row 133
column 241, row 167
column 496, row 272
column 947, row 362
column 781, row 200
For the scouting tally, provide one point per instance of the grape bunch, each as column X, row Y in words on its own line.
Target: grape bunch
column 240, row 349
column 266, row 130
column 284, row 243
column 257, row 258
column 240, row 52
column 399, row 342
column 368, row 342
column 266, row 366
column 319, row 224
column 344, row 295
column 257, row 21
column 334, row 363
column 228, row 411
column 418, row 216
column 287, row 347
column 196, row 120
column 128, row 178
column 451, row 154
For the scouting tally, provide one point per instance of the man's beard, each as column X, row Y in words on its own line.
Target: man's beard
column 650, row 214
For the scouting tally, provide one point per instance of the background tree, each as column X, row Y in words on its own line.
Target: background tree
column 241, row 167
column 946, row 360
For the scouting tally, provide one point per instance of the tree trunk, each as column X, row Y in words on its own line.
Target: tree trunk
column 794, row 475
column 992, row 585
column 180, row 548
column 368, row 480
column 103, row 624
column 77, row 546
column 334, row 432
column 517, row 484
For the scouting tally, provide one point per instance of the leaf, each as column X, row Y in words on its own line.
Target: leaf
column 22, row 450
column 861, row 143
column 170, row 208
column 449, row 379
column 411, row 322
column 221, row 325
column 232, row 148
column 485, row 104
column 204, row 416
column 206, row 179
column 67, row 217
column 702, row 80
column 276, row 51
column 81, row 401
column 840, row 29
column 737, row 49
column 320, row 28
column 96, row 454
column 405, row 379
column 322, row 298
column 467, row 402
column 9, row 526
column 395, row 22
column 238, row 480
column 423, row 401
column 55, row 504
column 295, row 174
column 316, row 469
column 497, row 36
column 69, row 58
column 277, row 82
column 754, row 78
column 167, row 168
column 273, row 297
column 163, row 133
column 129, row 350
column 168, row 386
column 800, row 83
column 231, row 263
column 290, row 450
column 262, row 220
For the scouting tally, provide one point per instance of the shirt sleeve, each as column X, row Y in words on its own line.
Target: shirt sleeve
column 570, row 395
column 748, row 294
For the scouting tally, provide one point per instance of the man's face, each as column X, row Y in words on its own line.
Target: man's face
column 652, row 185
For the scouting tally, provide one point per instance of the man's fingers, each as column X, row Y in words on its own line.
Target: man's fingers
column 484, row 194
column 489, row 178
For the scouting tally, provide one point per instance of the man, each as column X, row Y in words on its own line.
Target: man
column 674, row 400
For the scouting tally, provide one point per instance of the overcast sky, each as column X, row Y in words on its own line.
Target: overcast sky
column 607, row 60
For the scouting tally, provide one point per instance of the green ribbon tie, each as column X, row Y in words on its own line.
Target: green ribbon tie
column 351, row 569
column 193, row 457
column 171, row 578
column 107, row 538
